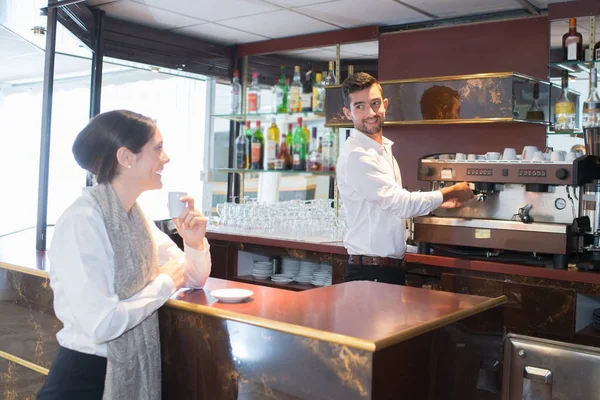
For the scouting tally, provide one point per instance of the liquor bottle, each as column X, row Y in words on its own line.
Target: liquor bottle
column 535, row 112
column 258, row 148
column 307, row 134
column 281, row 92
column 254, row 95
column 272, row 144
column 299, row 148
column 242, row 157
column 236, row 94
column 307, row 93
column 249, row 142
column 313, row 160
column 596, row 54
column 284, row 160
column 328, row 155
column 295, row 92
column 590, row 118
column 350, row 70
column 572, row 42
column 564, row 109
column 330, row 80
column 318, row 94
column 289, row 138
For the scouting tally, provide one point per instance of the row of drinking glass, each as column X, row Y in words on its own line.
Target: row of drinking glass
column 295, row 219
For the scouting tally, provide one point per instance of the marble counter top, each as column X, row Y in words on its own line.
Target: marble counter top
column 365, row 315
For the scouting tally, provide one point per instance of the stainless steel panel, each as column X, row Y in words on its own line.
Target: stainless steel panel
column 546, row 369
column 505, row 202
column 493, row 224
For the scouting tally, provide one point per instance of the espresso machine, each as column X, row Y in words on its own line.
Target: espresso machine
column 526, row 212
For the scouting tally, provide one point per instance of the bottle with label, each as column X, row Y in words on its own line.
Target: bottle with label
column 295, row 92
column 236, row 94
column 313, row 161
column 242, row 157
column 253, row 105
column 307, row 134
column 249, row 141
column 284, row 159
column 330, row 80
column 272, row 144
column 572, row 43
column 590, row 118
column 258, row 148
column 289, row 137
column 307, row 93
column 328, row 154
column 318, row 94
column 564, row 109
column 299, row 148
column 281, row 92
column 535, row 112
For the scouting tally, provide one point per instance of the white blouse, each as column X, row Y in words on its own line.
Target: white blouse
column 82, row 279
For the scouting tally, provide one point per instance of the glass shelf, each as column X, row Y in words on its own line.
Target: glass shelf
column 278, row 171
column 291, row 117
column 579, row 69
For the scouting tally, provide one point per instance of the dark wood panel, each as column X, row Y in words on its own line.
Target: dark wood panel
column 223, row 259
column 573, row 9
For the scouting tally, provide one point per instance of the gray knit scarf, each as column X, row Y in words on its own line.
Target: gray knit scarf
column 133, row 370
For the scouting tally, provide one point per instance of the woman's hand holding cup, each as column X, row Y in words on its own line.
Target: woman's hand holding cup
column 190, row 223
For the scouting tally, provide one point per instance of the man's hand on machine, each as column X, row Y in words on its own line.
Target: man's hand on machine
column 456, row 195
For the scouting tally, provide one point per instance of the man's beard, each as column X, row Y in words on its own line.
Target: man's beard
column 362, row 127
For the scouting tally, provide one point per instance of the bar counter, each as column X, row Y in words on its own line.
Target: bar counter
column 356, row 340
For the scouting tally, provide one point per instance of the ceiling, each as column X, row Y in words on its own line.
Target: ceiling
column 242, row 21
column 233, row 22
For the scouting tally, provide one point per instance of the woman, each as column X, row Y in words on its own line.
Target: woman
column 111, row 268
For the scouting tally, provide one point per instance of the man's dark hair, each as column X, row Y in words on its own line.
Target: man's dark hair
column 434, row 99
column 95, row 148
column 357, row 82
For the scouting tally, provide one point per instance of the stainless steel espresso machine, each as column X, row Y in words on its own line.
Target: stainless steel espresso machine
column 526, row 212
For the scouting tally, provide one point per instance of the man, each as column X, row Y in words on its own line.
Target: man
column 440, row 102
column 371, row 189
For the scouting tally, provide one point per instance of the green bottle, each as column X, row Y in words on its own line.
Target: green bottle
column 258, row 148
column 299, row 148
column 281, row 92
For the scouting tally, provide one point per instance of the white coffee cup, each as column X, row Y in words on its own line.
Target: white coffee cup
column 571, row 156
column 537, row 156
column 528, row 152
column 509, row 154
column 557, row 155
column 472, row 157
column 461, row 157
column 492, row 155
column 176, row 206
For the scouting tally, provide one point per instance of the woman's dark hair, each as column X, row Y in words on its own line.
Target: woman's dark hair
column 95, row 148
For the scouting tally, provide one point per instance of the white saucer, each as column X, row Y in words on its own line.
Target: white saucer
column 231, row 295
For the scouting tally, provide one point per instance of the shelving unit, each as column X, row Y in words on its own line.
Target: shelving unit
column 288, row 117
column 275, row 171
column 295, row 286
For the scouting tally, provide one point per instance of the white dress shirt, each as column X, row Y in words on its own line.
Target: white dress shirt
column 82, row 279
column 376, row 205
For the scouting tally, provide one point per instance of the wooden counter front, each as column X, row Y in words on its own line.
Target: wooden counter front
column 365, row 315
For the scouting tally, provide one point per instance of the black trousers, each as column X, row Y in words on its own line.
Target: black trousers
column 74, row 376
column 394, row 275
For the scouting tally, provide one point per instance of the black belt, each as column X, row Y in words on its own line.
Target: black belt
column 381, row 261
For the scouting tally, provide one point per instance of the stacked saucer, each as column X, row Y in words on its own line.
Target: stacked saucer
column 306, row 270
column 262, row 269
column 596, row 319
column 290, row 266
column 322, row 276
column 282, row 278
